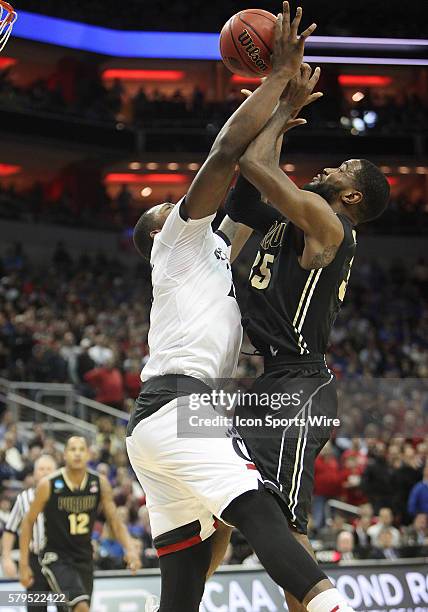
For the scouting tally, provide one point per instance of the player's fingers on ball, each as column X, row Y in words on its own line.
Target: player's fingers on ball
column 296, row 22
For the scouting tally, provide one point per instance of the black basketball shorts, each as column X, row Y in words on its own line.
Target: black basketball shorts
column 286, row 427
column 74, row 578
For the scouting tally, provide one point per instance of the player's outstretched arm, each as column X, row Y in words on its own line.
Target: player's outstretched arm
column 37, row 506
column 212, row 181
column 308, row 211
column 117, row 526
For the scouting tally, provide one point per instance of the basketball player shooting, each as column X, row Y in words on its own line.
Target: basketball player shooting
column 195, row 335
column 296, row 287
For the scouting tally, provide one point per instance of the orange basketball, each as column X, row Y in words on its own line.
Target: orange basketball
column 246, row 42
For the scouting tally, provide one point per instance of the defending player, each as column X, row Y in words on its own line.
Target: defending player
column 195, row 335
column 296, row 287
column 69, row 500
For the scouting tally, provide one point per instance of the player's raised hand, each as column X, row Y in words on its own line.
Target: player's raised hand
column 289, row 46
column 299, row 91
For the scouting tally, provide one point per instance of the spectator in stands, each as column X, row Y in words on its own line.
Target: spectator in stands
column 13, row 456
column 328, row 534
column 384, row 521
column 351, row 481
column 405, row 478
column 363, row 542
column 418, row 498
column 377, row 477
column 416, row 534
column 345, row 545
column 327, row 483
column 387, row 547
column 6, row 471
column 101, row 353
column 107, row 381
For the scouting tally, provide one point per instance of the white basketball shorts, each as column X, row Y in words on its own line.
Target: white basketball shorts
column 188, row 482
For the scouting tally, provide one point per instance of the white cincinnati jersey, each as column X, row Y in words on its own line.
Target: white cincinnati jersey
column 195, row 321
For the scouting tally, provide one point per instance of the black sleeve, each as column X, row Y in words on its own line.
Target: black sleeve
column 244, row 205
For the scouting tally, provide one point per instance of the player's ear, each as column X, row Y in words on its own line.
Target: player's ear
column 350, row 197
column 153, row 233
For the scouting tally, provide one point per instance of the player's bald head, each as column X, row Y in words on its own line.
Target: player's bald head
column 150, row 223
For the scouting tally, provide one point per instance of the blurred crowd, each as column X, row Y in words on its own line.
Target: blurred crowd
column 100, row 211
column 85, row 321
column 87, row 98
column 334, row 17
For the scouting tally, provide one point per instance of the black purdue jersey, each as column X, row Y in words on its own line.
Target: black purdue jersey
column 290, row 311
column 70, row 516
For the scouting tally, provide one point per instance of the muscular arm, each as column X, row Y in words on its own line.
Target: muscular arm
column 41, row 497
column 308, row 211
column 212, row 181
column 116, row 524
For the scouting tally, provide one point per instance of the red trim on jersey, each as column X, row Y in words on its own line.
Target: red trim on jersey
column 251, row 466
column 215, row 524
column 335, row 609
column 166, row 550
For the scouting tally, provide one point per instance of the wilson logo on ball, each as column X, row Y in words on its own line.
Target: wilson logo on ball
column 251, row 49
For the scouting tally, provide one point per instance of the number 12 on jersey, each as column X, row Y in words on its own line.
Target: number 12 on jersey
column 79, row 523
column 261, row 279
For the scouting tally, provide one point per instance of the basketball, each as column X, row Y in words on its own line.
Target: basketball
column 246, row 42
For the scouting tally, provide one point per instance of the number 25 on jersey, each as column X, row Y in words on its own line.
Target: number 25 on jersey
column 260, row 275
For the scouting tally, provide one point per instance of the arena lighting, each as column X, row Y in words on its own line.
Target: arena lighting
column 190, row 45
column 159, row 179
column 364, row 80
column 236, row 78
column 392, row 180
column 9, row 169
column 7, row 62
column 143, row 75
